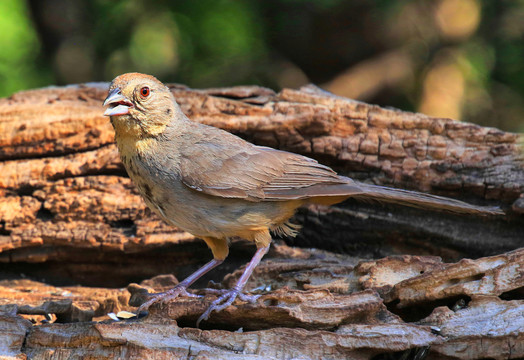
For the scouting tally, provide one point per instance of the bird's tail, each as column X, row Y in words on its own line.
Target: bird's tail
column 421, row 200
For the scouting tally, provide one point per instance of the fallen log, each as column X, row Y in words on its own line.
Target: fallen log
column 61, row 172
column 322, row 306
column 69, row 215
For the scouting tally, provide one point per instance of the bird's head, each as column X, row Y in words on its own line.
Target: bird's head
column 139, row 105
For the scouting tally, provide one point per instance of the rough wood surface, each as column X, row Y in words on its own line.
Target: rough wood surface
column 63, row 183
column 320, row 305
column 69, row 215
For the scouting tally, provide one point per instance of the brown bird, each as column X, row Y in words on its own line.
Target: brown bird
column 215, row 185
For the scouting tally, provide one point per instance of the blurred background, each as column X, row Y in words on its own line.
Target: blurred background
column 462, row 59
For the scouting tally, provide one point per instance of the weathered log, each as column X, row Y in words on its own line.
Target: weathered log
column 69, row 215
column 64, row 184
column 323, row 307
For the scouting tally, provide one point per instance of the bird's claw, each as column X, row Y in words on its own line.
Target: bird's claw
column 226, row 299
column 165, row 297
column 244, row 297
column 249, row 298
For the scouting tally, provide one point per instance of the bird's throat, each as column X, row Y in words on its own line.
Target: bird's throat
column 131, row 145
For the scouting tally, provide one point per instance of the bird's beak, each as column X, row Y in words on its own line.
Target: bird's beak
column 118, row 103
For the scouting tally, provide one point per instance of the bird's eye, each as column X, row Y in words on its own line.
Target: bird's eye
column 144, row 92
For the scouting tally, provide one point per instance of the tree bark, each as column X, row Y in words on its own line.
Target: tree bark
column 69, row 215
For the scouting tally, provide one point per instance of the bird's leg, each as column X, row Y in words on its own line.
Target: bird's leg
column 180, row 289
column 230, row 295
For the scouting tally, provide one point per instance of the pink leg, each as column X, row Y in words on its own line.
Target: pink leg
column 227, row 299
column 180, row 289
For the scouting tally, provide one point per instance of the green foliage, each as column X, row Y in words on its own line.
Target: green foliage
column 209, row 43
column 20, row 48
column 204, row 44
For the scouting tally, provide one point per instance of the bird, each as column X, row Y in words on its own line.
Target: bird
column 217, row 186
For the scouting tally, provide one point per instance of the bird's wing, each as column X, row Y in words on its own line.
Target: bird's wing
column 223, row 165
column 227, row 166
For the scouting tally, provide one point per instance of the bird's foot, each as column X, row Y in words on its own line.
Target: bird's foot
column 244, row 297
column 226, row 299
column 164, row 297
